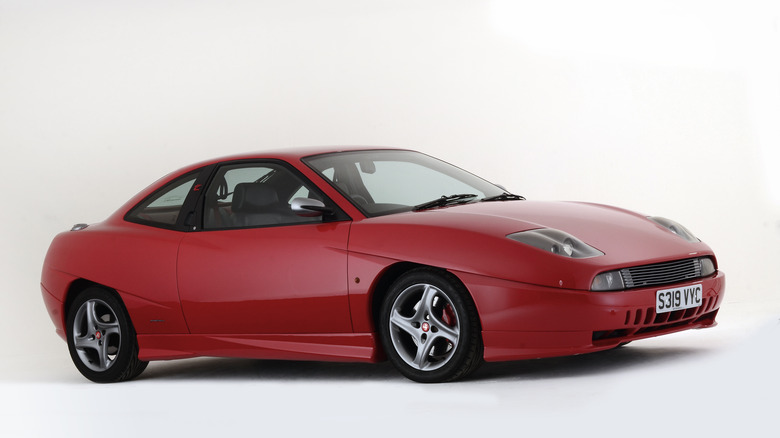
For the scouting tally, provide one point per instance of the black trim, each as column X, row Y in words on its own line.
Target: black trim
column 193, row 206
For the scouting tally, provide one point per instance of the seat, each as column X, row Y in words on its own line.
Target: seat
column 256, row 204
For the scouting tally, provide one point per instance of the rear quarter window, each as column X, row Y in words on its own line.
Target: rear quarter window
column 163, row 207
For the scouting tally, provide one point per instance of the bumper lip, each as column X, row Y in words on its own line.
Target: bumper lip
column 537, row 322
column 507, row 346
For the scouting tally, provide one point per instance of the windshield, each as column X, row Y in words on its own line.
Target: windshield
column 381, row 182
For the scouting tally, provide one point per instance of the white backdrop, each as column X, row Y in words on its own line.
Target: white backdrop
column 670, row 108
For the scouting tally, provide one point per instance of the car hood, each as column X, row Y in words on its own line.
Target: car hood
column 475, row 235
column 622, row 235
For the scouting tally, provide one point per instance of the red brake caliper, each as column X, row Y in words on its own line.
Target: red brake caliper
column 448, row 315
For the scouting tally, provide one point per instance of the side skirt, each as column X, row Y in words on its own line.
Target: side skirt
column 358, row 347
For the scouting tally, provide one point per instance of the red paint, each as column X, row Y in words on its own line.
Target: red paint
column 290, row 292
column 289, row 279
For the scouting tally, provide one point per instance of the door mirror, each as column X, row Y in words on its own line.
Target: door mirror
column 307, row 207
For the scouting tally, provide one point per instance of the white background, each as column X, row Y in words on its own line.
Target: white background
column 670, row 108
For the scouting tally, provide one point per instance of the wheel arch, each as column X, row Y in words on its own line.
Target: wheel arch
column 80, row 285
column 396, row 271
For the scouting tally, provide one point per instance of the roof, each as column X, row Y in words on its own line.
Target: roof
column 291, row 153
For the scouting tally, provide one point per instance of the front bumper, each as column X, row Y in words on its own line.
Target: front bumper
column 521, row 321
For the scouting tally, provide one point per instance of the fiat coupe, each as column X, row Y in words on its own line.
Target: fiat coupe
column 346, row 254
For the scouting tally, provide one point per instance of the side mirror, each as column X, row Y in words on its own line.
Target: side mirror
column 307, row 207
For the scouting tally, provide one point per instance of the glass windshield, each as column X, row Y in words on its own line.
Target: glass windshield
column 383, row 182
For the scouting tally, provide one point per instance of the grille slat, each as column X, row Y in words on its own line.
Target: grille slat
column 651, row 275
column 661, row 273
column 672, row 270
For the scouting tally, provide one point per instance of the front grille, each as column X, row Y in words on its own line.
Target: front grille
column 661, row 273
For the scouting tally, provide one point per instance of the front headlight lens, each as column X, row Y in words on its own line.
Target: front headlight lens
column 608, row 281
column 707, row 266
column 556, row 242
column 675, row 228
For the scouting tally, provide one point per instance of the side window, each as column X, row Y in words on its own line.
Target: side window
column 163, row 207
column 254, row 195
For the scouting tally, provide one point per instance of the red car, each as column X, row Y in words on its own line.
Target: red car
column 361, row 255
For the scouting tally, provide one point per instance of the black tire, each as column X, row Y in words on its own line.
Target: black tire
column 101, row 338
column 429, row 327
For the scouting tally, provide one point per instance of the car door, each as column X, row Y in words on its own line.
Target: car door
column 258, row 268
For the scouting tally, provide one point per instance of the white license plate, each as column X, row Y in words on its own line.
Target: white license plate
column 669, row 300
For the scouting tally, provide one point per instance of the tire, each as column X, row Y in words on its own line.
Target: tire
column 429, row 327
column 101, row 338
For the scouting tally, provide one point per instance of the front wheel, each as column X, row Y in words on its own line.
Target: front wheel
column 429, row 327
column 101, row 338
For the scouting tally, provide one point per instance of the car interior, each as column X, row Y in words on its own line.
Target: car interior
column 255, row 196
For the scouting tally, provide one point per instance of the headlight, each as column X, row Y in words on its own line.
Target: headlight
column 556, row 242
column 607, row 281
column 675, row 228
column 707, row 266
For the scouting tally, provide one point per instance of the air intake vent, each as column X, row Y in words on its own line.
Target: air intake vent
column 662, row 273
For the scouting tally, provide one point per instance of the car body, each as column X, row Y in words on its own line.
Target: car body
column 335, row 254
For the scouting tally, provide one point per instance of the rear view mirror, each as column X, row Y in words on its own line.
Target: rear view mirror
column 367, row 167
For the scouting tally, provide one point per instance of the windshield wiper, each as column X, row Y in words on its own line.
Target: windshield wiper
column 445, row 200
column 506, row 196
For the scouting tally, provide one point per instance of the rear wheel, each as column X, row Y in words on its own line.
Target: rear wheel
column 429, row 327
column 101, row 338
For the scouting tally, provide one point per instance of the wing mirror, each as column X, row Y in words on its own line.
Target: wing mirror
column 307, row 207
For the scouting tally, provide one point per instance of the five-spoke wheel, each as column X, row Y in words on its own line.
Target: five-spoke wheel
column 101, row 339
column 429, row 327
column 96, row 335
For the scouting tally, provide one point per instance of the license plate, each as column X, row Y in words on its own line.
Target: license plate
column 669, row 300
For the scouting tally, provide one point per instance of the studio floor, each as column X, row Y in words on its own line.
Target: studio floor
column 720, row 381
